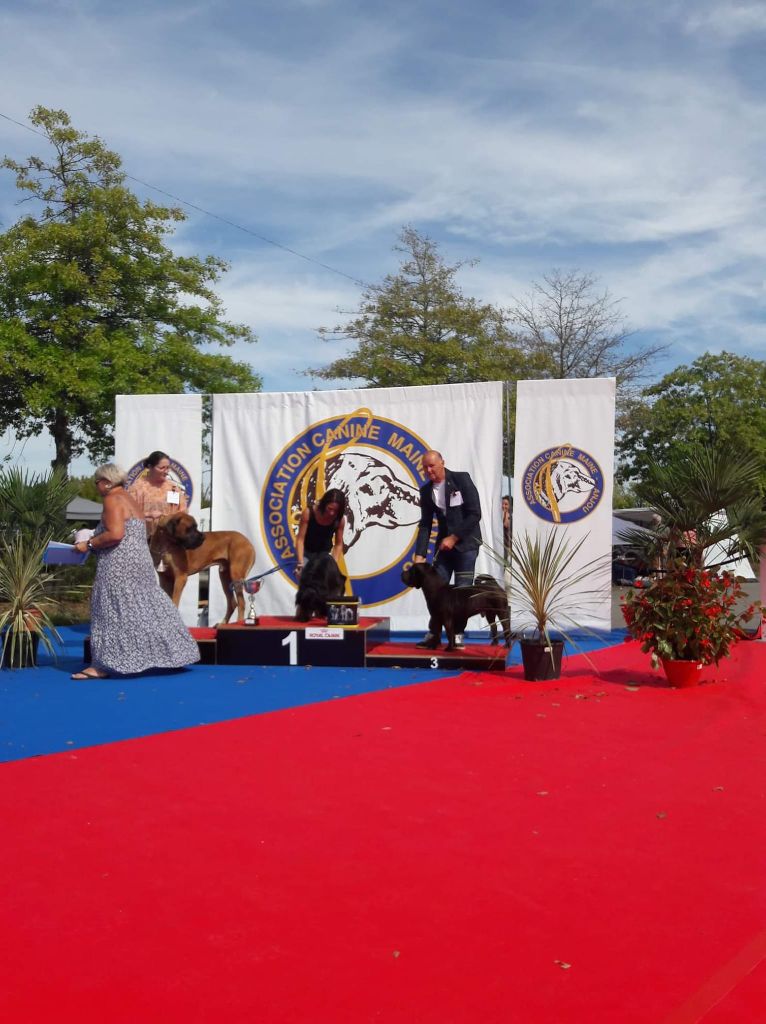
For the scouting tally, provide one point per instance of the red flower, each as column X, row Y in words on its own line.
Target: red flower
column 687, row 613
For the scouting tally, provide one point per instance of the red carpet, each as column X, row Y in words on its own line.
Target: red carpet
column 497, row 652
column 290, row 622
column 467, row 851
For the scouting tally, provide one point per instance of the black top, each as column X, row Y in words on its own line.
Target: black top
column 319, row 539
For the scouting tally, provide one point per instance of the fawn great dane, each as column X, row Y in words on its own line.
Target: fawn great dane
column 185, row 549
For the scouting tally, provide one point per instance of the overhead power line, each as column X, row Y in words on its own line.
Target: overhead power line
column 215, row 216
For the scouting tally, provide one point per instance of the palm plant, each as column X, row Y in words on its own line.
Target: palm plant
column 32, row 504
column 708, row 500
column 26, row 601
column 710, row 513
column 544, row 572
column 545, row 575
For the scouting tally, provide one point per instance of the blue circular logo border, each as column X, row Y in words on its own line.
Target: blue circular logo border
column 552, row 455
column 284, row 476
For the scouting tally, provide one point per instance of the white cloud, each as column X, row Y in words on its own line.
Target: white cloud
column 728, row 22
column 619, row 139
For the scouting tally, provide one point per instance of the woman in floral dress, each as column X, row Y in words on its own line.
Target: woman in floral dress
column 134, row 624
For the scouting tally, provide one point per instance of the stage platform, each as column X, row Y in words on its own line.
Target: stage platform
column 474, row 657
column 282, row 641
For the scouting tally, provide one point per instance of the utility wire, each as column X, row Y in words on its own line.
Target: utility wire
column 215, row 216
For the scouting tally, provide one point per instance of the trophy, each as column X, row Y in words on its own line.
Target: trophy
column 251, row 588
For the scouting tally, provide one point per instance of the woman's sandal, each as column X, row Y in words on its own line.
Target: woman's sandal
column 89, row 673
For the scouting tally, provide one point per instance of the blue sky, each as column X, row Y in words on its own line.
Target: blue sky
column 622, row 138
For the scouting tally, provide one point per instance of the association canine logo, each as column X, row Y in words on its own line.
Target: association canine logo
column 177, row 474
column 563, row 484
column 377, row 464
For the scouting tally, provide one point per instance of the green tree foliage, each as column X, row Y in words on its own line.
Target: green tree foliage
column 85, row 487
column 417, row 327
column 93, row 303
column 718, row 399
column 624, row 496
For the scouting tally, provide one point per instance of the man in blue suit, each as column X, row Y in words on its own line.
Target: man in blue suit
column 451, row 497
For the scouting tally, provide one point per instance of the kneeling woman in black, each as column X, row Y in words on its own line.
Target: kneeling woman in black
column 321, row 529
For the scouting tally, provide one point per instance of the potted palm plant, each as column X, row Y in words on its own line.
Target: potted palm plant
column 27, row 602
column 710, row 514
column 708, row 505
column 545, row 577
column 32, row 511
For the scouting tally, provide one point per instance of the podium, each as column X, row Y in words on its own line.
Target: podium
column 281, row 640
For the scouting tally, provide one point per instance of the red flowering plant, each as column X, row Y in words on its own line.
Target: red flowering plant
column 687, row 614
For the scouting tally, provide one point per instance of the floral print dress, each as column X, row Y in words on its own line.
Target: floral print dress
column 134, row 624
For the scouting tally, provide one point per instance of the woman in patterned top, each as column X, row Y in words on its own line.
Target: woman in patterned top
column 134, row 625
column 155, row 493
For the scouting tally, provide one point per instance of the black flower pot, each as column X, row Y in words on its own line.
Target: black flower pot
column 541, row 660
column 25, row 654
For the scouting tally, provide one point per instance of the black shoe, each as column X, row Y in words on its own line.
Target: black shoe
column 429, row 640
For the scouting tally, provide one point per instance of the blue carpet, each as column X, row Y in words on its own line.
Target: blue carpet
column 43, row 711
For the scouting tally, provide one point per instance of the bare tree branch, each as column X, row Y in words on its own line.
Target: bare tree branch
column 579, row 330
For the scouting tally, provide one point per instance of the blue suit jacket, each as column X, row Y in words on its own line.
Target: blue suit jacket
column 461, row 520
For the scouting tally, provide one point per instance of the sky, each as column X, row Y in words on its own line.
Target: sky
column 624, row 139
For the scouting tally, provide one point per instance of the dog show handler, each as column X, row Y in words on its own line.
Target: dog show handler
column 453, row 499
column 320, row 529
column 155, row 493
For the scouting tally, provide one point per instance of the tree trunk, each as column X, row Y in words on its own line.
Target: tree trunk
column 62, row 439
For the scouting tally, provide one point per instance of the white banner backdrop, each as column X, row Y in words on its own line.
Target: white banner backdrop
column 172, row 424
column 564, row 479
column 269, row 450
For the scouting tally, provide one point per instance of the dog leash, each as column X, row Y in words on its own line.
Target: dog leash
column 253, row 583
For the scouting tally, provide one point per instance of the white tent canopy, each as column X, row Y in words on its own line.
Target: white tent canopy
column 625, row 527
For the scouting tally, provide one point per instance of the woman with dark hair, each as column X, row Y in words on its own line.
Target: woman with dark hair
column 321, row 527
column 155, row 493
column 134, row 626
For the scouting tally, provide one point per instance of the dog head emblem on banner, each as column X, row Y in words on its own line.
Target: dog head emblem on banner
column 563, row 484
column 377, row 464
column 178, row 475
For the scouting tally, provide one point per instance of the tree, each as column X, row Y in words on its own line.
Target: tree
column 417, row 327
column 85, row 487
column 719, row 399
column 93, row 303
column 623, row 496
column 578, row 331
